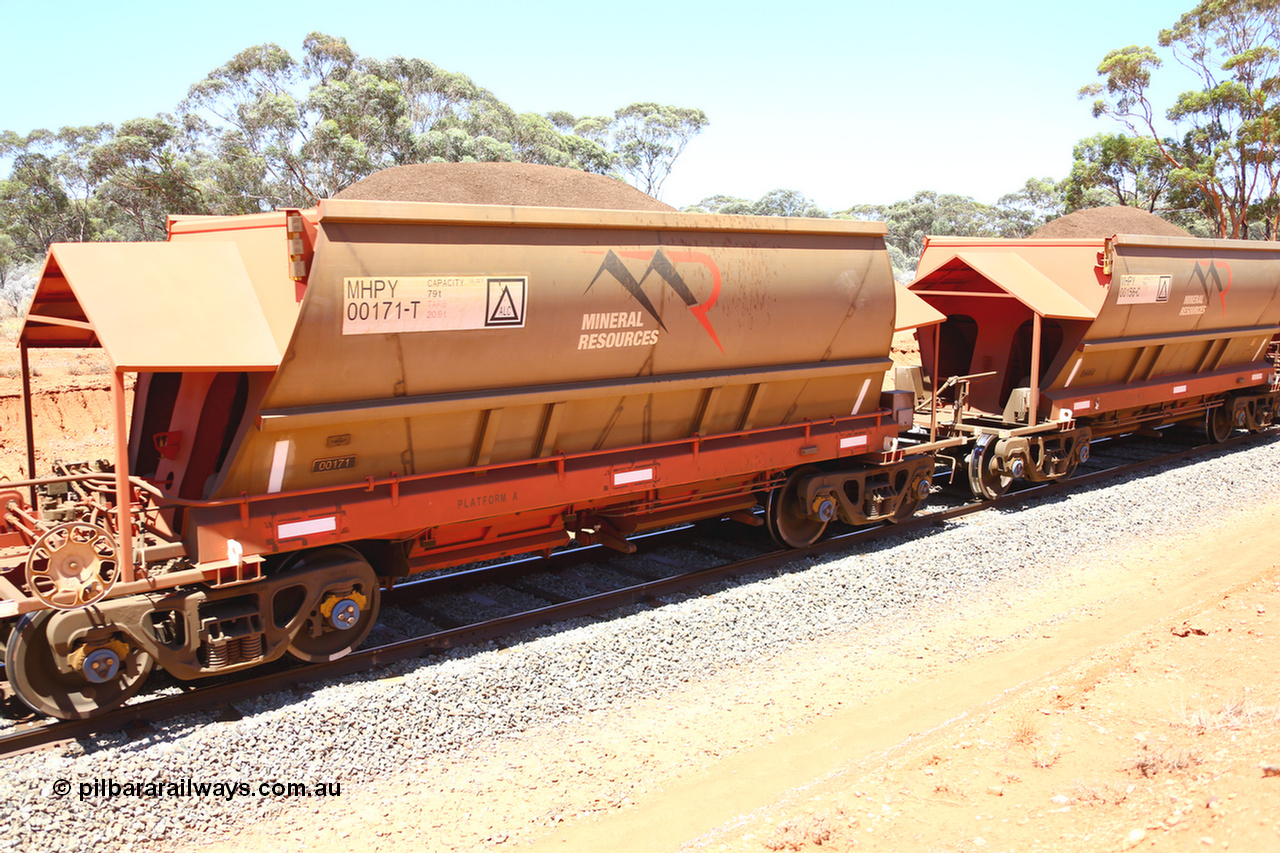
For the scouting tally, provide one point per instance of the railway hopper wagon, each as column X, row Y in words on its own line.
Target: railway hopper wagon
column 1050, row 343
column 328, row 399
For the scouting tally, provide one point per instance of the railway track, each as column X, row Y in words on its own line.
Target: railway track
column 637, row 583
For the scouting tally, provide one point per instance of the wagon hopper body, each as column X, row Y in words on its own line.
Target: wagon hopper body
column 1048, row 343
column 330, row 397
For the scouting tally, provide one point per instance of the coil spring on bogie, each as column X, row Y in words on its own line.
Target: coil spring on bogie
column 232, row 651
column 252, row 647
column 876, row 500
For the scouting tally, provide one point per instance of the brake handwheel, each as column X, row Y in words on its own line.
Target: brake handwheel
column 73, row 565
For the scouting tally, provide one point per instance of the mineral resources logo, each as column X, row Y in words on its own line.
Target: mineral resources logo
column 663, row 265
column 1210, row 278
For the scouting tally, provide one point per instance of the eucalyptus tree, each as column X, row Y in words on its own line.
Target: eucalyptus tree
column 434, row 97
column 929, row 213
column 1019, row 213
column 1220, row 140
column 1120, row 169
column 305, row 129
column 300, row 130
column 586, row 140
column 773, row 203
column 355, row 120
column 648, row 138
column 252, row 118
column 722, row 203
column 48, row 195
column 267, row 130
column 144, row 171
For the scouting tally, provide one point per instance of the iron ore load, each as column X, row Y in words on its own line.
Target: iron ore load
column 330, row 398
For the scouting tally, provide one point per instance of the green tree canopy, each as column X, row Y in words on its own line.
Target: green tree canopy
column 909, row 221
column 268, row 130
column 772, row 203
column 649, row 137
column 1122, row 169
column 1220, row 140
column 1018, row 214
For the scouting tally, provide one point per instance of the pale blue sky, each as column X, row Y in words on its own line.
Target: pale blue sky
column 853, row 102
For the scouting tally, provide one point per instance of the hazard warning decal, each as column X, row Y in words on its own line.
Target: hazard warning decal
column 506, row 302
column 377, row 306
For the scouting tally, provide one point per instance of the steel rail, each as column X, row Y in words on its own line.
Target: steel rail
column 216, row 696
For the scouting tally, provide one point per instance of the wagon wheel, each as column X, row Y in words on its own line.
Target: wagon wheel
column 1079, row 453
column 98, row 676
column 984, row 480
column 1217, row 424
column 789, row 522
column 917, row 494
column 72, row 566
column 1073, row 462
column 342, row 618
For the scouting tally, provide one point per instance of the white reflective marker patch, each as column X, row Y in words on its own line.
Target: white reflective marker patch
column 278, row 460
column 294, row 529
column 1257, row 377
column 640, row 475
column 1081, row 405
column 1079, row 361
column 1179, row 389
column 853, row 441
column 861, row 394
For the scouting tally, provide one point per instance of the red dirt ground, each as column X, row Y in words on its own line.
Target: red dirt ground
column 71, row 402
